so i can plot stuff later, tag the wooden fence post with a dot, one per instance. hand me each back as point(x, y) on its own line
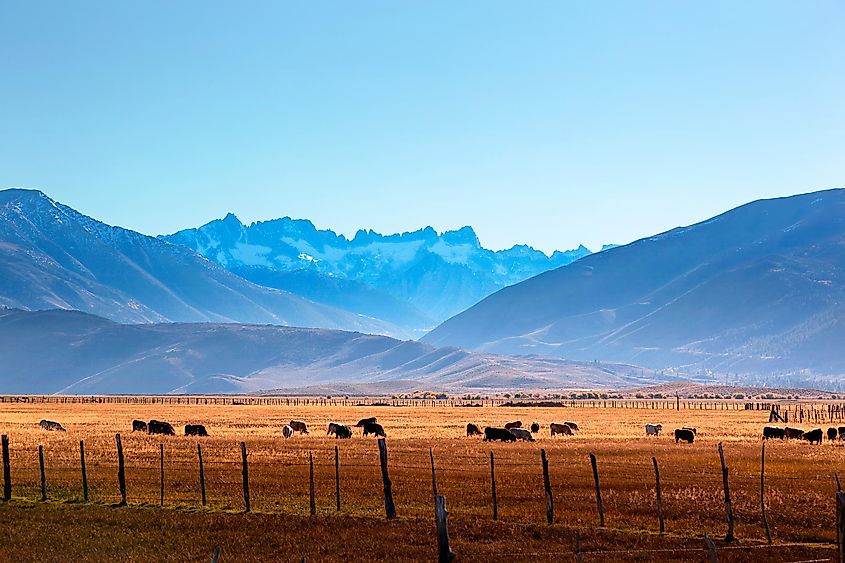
point(838, 486)
point(84, 471)
point(121, 471)
point(245, 474)
point(598, 490)
point(445, 554)
point(337, 478)
point(389, 507)
point(312, 502)
point(202, 473)
point(215, 555)
point(659, 494)
point(729, 516)
point(493, 487)
point(7, 470)
point(43, 473)
point(161, 458)
point(711, 547)
point(550, 506)
point(578, 556)
point(840, 525)
point(433, 473)
point(763, 493)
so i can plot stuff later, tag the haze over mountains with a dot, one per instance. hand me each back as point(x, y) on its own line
point(415, 279)
point(758, 291)
point(755, 295)
point(72, 352)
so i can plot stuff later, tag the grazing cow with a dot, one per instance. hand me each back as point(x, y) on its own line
point(51, 426)
point(374, 428)
point(158, 427)
point(841, 430)
point(522, 434)
point(139, 426)
point(287, 431)
point(793, 433)
point(573, 426)
point(298, 426)
point(535, 427)
point(342, 431)
point(503, 434)
point(773, 432)
point(473, 430)
point(557, 428)
point(832, 434)
point(332, 429)
point(653, 429)
point(515, 424)
point(685, 434)
point(363, 421)
point(195, 430)
point(814, 436)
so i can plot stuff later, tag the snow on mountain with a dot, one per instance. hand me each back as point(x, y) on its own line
point(434, 275)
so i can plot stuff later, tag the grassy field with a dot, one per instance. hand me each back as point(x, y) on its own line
point(799, 486)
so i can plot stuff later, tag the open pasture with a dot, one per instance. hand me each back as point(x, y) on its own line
point(799, 487)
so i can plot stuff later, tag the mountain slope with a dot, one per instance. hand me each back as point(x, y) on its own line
point(435, 275)
point(71, 352)
point(54, 257)
point(757, 290)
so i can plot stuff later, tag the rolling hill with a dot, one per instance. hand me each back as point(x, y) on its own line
point(757, 292)
point(72, 352)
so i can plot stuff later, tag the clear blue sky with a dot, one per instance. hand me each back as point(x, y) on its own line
point(548, 123)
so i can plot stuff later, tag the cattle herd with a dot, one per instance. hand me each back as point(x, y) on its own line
point(813, 436)
point(513, 431)
point(510, 432)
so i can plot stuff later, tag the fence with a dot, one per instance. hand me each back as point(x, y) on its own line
point(790, 410)
point(176, 474)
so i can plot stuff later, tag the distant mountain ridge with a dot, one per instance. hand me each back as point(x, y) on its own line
point(757, 292)
point(52, 256)
point(71, 352)
point(420, 277)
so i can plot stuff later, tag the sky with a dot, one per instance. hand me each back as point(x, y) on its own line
point(547, 123)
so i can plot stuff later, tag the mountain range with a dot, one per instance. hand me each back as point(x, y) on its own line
point(71, 352)
point(414, 279)
point(52, 256)
point(758, 292)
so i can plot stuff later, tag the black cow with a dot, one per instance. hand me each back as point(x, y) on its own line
point(773, 432)
point(572, 425)
point(793, 433)
point(139, 426)
point(473, 430)
point(685, 434)
point(52, 426)
point(158, 427)
point(515, 424)
point(832, 434)
point(363, 421)
point(374, 428)
point(342, 431)
point(535, 428)
point(814, 436)
point(502, 434)
point(195, 430)
point(841, 430)
point(299, 426)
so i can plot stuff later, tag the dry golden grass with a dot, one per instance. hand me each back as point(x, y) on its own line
point(799, 490)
